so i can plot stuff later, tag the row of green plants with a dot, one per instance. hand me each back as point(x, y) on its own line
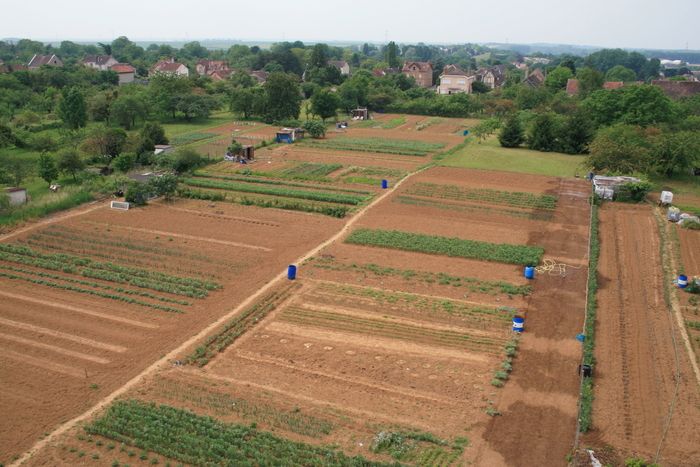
point(328, 197)
point(327, 210)
point(472, 284)
point(448, 246)
point(72, 263)
point(224, 403)
point(418, 448)
point(409, 302)
point(199, 440)
point(237, 326)
point(428, 122)
point(509, 198)
point(266, 178)
point(389, 329)
point(501, 375)
point(96, 285)
point(586, 404)
point(121, 278)
point(95, 293)
point(379, 145)
point(188, 138)
point(532, 215)
point(310, 170)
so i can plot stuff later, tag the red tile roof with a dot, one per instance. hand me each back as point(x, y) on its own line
point(422, 66)
point(613, 84)
point(123, 68)
point(572, 87)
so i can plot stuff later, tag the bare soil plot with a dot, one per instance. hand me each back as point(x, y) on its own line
point(74, 331)
point(636, 359)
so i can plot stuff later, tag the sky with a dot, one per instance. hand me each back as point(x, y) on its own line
point(668, 24)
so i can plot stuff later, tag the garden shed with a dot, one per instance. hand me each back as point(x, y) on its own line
point(17, 195)
point(361, 113)
point(289, 135)
point(606, 187)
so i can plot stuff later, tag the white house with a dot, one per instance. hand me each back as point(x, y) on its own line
point(341, 65)
point(169, 67)
point(454, 80)
point(99, 62)
point(125, 71)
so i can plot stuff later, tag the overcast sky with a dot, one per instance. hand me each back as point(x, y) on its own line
point(609, 23)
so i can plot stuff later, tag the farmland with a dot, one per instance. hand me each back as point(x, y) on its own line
point(394, 343)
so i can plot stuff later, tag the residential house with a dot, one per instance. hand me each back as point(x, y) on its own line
point(259, 75)
point(422, 72)
point(613, 85)
point(169, 67)
point(341, 65)
point(535, 78)
point(4, 68)
point(126, 72)
point(38, 61)
point(454, 80)
point(678, 89)
point(573, 87)
point(221, 75)
point(208, 67)
point(381, 72)
point(99, 62)
point(494, 77)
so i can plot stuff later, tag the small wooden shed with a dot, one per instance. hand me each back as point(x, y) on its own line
point(361, 113)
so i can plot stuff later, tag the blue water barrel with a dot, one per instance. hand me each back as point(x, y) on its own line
point(291, 272)
point(518, 323)
point(465, 132)
point(529, 272)
point(580, 337)
point(385, 184)
point(682, 281)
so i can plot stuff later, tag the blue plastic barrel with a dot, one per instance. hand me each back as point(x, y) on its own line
point(291, 272)
point(682, 281)
point(465, 133)
point(529, 272)
point(580, 337)
point(518, 323)
point(385, 184)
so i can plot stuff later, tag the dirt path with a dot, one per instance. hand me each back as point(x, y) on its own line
point(163, 361)
point(636, 353)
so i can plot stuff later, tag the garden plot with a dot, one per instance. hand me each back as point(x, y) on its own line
point(88, 302)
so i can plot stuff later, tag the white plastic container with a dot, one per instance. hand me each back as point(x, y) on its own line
point(666, 197)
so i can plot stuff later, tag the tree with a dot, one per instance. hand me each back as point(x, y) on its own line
point(104, 141)
point(485, 129)
point(557, 78)
point(47, 168)
point(319, 56)
point(324, 104)
point(164, 186)
point(195, 106)
point(13, 170)
point(283, 97)
point(315, 128)
point(186, 159)
point(676, 152)
point(69, 162)
point(126, 109)
point(479, 87)
point(576, 134)
point(391, 54)
point(99, 106)
point(137, 193)
point(72, 109)
point(124, 162)
point(620, 149)
point(242, 79)
point(543, 134)
point(589, 80)
point(235, 147)
point(248, 101)
point(511, 135)
point(620, 73)
point(154, 132)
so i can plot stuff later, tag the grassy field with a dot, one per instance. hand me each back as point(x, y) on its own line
point(489, 155)
point(180, 127)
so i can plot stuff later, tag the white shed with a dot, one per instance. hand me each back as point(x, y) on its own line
point(17, 196)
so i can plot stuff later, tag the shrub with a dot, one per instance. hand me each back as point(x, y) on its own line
point(186, 159)
point(124, 162)
point(315, 128)
point(138, 193)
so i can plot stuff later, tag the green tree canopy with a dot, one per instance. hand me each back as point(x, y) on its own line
point(622, 149)
point(325, 103)
point(557, 78)
point(47, 168)
point(283, 97)
point(511, 135)
point(620, 73)
point(72, 108)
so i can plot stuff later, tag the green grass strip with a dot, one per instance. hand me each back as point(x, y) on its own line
point(499, 252)
point(379, 145)
point(266, 180)
point(200, 440)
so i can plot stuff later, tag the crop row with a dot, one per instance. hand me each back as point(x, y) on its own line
point(96, 293)
point(190, 138)
point(441, 278)
point(408, 301)
point(275, 191)
point(448, 246)
point(310, 169)
point(379, 145)
point(236, 327)
point(510, 198)
point(327, 210)
point(389, 329)
point(200, 440)
point(263, 178)
point(422, 125)
point(95, 285)
point(122, 278)
point(223, 404)
point(70, 263)
point(532, 215)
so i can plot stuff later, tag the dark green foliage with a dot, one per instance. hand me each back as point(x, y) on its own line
point(576, 134)
point(543, 134)
point(511, 135)
point(72, 108)
point(185, 160)
point(205, 441)
point(47, 168)
point(505, 253)
point(315, 128)
point(283, 97)
point(163, 185)
point(124, 162)
point(70, 162)
point(324, 104)
point(633, 192)
point(138, 193)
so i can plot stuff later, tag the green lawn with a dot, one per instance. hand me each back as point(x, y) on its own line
point(489, 155)
point(216, 119)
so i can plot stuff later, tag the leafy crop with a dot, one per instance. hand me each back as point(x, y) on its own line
point(380, 145)
point(500, 252)
point(264, 178)
point(510, 198)
point(274, 191)
point(199, 440)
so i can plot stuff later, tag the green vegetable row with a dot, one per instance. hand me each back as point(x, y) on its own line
point(510, 198)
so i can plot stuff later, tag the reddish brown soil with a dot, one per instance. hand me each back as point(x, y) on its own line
point(635, 371)
point(690, 250)
point(47, 349)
